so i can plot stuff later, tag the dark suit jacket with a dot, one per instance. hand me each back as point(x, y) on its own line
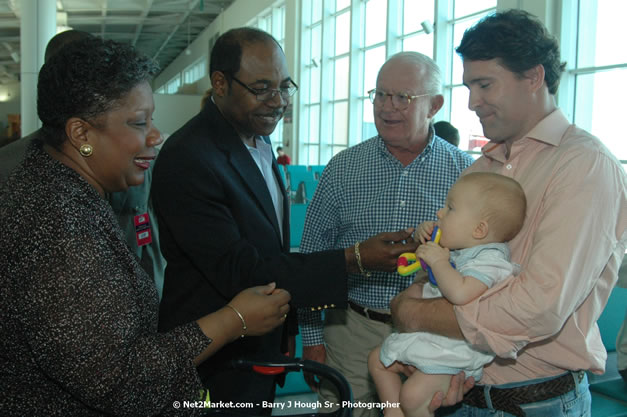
point(220, 235)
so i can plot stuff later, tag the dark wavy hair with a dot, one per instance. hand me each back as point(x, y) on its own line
point(85, 79)
point(519, 40)
point(226, 54)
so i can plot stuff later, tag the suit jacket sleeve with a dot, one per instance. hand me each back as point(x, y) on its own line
point(214, 230)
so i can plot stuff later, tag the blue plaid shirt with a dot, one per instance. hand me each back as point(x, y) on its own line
point(365, 190)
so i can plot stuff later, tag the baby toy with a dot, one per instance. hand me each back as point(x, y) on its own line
point(407, 264)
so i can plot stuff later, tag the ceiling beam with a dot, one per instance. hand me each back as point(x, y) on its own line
point(192, 6)
point(142, 17)
point(103, 12)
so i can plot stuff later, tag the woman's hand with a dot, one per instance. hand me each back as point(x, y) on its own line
point(263, 308)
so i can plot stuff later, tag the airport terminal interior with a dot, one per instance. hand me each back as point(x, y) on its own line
point(334, 49)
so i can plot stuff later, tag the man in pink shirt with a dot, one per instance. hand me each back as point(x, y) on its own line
point(541, 324)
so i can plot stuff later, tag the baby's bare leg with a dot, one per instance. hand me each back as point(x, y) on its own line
point(387, 381)
point(418, 391)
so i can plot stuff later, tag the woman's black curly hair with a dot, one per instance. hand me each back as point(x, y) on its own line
point(85, 79)
point(519, 40)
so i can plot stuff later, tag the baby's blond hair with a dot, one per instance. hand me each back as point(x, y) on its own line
point(502, 202)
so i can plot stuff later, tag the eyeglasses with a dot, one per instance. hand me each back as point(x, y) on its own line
point(399, 101)
point(267, 94)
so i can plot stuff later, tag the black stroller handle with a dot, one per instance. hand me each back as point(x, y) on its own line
point(284, 365)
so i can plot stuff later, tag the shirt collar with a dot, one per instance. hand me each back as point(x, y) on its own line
point(549, 130)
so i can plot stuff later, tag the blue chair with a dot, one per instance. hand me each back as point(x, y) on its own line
point(609, 391)
point(283, 176)
point(297, 178)
point(296, 168)
point(310, 189)
point(317, 170)
point(297, 192)
point(297, 223)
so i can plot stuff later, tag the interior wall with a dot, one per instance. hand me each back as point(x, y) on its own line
point(173, 110)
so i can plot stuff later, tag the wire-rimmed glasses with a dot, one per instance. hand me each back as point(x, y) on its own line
point(400, 101)
point(267, 94)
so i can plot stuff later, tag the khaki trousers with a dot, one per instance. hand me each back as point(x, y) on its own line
point(349, 338)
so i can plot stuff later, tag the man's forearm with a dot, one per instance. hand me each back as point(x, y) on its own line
point(433, 315)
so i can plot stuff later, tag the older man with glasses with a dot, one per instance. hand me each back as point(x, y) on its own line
point(223, 213)
point(395, 180)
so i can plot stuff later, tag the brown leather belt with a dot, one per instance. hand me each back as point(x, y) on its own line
point(370, 314)
point(509, 399)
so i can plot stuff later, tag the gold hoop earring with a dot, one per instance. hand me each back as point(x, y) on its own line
point(86, 150)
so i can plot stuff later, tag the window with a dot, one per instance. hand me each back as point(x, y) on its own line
point(343, 45)
point(465, 15)
point(172, 86)
point(195, 71)
point(593, 86)
point(273, 22)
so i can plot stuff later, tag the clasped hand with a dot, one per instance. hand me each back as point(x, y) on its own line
point(263, 307)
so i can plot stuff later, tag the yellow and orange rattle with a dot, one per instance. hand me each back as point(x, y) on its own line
point(406, 264)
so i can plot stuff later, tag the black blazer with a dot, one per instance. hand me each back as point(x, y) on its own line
point(219, 235)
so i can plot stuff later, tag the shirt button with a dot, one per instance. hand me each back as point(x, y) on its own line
point(509, 166)
point(403, 203)
point(405, 173)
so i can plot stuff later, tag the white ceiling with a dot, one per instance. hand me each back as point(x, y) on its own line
point(161, 29)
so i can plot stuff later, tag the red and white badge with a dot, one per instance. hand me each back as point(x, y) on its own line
point(143, 233)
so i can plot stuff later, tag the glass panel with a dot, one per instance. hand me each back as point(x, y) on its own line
point(312, 154)
point(316, 10)
point(276, 137)
point(601, 25)
point(458, 34)
point(341, 79)
point(338, 149)
point(316, 43)
point(340, 123)
point(314, 92)
point(341, 4)
point(421, 42)
point(277, 25)
point(342, 33)
point(414, 13)
point(466, 121)
point(599, 99)
point(376, 18)
point(314, 124)
point(369, 129)
point(374, 59)
point(465, 7)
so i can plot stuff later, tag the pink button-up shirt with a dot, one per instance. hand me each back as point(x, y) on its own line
point(543, 322)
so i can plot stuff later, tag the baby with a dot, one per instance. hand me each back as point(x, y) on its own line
point(483, 211)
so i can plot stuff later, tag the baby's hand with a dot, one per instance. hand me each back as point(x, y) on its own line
point(424, 231)
point(432, 253)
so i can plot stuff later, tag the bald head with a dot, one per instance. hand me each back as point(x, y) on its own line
point(425, 67)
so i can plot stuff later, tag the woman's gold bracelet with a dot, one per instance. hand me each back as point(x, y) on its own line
point(244, 328)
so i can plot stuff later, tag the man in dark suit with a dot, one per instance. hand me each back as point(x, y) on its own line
point(223, 213)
